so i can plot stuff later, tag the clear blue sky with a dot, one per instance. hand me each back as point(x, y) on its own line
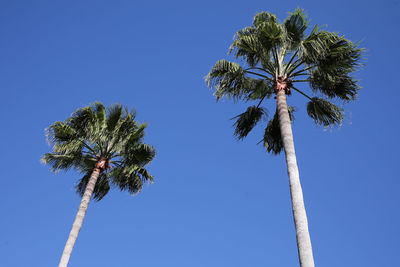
point(215, 201)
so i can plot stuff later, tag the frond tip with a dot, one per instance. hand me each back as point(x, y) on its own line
point(324, 112)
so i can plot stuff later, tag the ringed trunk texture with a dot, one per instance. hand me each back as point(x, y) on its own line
point(76, 226)
point(299, 212)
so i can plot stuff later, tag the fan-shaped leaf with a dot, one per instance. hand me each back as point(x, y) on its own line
point(324, 112)
point(272, 136)
point(101, 187)
point(295, 26)
point(263, 17)
point(247, 120)
point(334, 84)
point(228, 79)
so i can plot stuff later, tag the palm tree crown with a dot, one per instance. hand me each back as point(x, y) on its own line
point(110, 140)
point(277, 56)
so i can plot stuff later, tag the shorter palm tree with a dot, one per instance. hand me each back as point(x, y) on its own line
point(107, 148)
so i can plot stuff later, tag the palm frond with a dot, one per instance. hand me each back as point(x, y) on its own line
point(114, 115)
point(324, 112)
point(60, 162)
point(100, 112)
point(314, 47)
point(272, 136)
point(271, 35)
point(60, 132)
point(123, 130)
point(130, 178)
point(296, 25)
point(259, 88)
point(334, 84)
point(140, 154)
point(228, 79)
point(84, 122)
point(101, 187)
point(247, 120)
point(246, 46)
point(262, 17)
point(342, 54)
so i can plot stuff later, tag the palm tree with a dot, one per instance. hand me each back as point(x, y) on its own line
point(276, 57)
point(107, 148)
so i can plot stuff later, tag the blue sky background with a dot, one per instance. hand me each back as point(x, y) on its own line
point(215, 201)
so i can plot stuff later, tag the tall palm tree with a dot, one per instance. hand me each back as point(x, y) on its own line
point(276, 57)
point(107, 148)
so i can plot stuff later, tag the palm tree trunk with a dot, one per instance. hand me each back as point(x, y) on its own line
point(299, 212)
point(76, 226)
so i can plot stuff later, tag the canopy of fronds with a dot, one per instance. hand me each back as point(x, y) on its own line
point(93, 133)
point(270, 50)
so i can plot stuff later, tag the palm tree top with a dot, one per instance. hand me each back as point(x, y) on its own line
point(107, 139)
point(274, 56)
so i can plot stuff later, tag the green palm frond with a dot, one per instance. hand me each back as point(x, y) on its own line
point(130, 178)
point(60, 162)
point(247, 120)
point(324, 112)
point(140, 154)
point(84, 121)
point(60, 132)
point(334, 84)
point(100, 111)
point(262, 17)
point(259, 88)
point(272, 136)
point(100, 189)
point(115, 112)
point(271, 35)
point(314, 47)
point(228, 79)
point(330, 52)
point(246, 45)
point(341, 54)
point(131, 139)
point(296, 25)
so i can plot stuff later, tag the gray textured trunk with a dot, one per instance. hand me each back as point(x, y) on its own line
point(299, 212)
point(76, 226)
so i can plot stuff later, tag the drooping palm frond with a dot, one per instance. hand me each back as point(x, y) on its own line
point(100, 189)
point(324, 112)
point(272, 139)
point(94, 133)
point(341, 54)
point(140, 155)
point(334, 84)
point(247, 120)
point(130, 178)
